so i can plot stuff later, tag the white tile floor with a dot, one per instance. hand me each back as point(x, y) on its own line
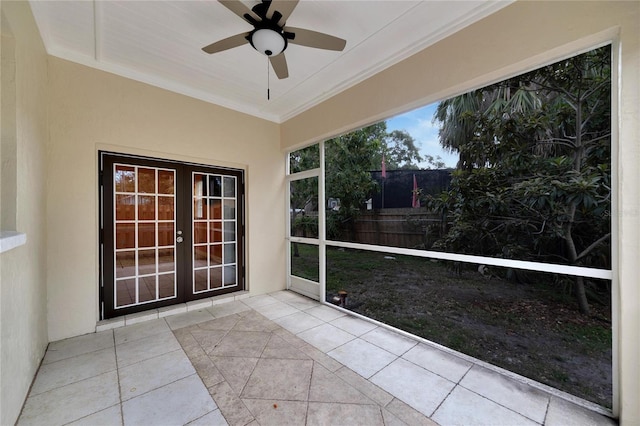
point(334, 369)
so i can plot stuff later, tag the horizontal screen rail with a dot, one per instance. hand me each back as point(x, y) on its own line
point(577, 271)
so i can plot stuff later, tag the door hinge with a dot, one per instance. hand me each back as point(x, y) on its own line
point(101, 178)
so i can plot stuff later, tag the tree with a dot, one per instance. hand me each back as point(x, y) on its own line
point(348, 160)
point(400, 151)
point(533, 180)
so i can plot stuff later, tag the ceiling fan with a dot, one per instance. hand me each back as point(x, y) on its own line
point(270, 36)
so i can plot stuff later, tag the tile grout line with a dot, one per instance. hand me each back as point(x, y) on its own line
point(306, 413)
point(456, 384)
point(115, 354)
point(249, 376)
point(546, 411)
point(42, 363)
point(117, 370)
point(437, 374)
point(196, 371)
point(382, 415)
point(374, 344)
point(499, 404)
point(459, 383)
point(358, 338)
point(203, 385)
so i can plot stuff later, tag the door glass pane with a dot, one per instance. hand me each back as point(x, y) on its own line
point(229, 186)
point(220, 207)
point(229, 253)
point(215, 208)
point(146, 235)
point(126, 264)
point(146, 180)
point(165, 208)
point(229, 209)
point(166, 234)
point(166, 183)
point(199, 208)
point(147, 288)
point(201, 280)
point(215, 254)
point(199, 185)
point(125, 207)
point(125, 179)
point(230, 231)
point(125, 292)
point(146, 262)
point(216, 232)
point(199, 232)
point(166, 260)
point(166, 286)
point(146, 207)
point(215, 185)
point(304, 207)
point(200, 255)
point(138, 210)
point(215, 277)
point(125, 235)
point(229, 276)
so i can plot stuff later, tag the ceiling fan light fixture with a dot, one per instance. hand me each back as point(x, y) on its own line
point(268, 42)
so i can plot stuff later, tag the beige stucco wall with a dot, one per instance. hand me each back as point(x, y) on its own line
point(91, 110)
point(520, 37)
point(23, 315)
point(88, 110)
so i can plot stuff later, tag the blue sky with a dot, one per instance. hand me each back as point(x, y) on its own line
point(418, 123)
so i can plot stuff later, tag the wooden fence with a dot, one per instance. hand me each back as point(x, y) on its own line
point(406, 227)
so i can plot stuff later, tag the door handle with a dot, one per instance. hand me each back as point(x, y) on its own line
point(179, 238)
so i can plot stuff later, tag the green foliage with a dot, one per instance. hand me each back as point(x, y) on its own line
point(534, 177)
point(304, 159)
point(305, 264)
point(347, 174)
point(305, 226)
point(349, 160)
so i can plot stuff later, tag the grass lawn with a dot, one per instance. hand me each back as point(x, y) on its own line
point(532, 329)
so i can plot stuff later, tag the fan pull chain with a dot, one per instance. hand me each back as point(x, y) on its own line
point(268, 94)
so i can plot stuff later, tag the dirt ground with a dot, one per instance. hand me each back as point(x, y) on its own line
point(533, 329)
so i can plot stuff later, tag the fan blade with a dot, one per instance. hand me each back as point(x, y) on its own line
point(279, 64)
point(315, 39)
point(285, 7)
point(237, 7)
point(227, 43)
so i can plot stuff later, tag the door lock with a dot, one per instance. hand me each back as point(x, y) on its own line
point(179, 238)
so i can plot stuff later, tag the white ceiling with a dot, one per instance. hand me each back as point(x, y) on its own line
point(159, 43)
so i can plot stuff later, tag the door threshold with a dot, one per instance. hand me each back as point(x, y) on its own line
point(166, 311)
